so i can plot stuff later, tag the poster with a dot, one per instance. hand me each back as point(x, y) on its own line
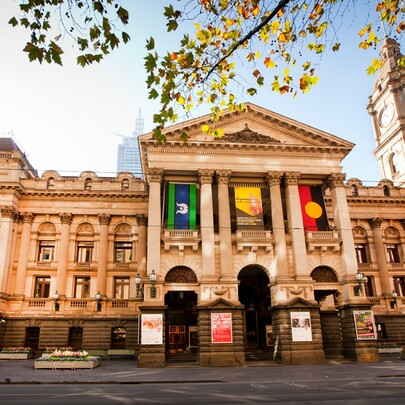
point(221, 328)
point(269, 335)
point(301, 326)
point(151, 329)
point(365, 325)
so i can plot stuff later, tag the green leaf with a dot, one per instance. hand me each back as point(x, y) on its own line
point(172, 25)
point(13, 21)
point(150, 44)
point(123, 15)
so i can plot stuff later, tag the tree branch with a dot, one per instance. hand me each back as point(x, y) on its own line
point(249, 35)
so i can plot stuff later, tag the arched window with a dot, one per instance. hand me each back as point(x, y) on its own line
point(88, 183)
point(125, 184)
point(355, 190)
point(50, 182)
point(386, 191)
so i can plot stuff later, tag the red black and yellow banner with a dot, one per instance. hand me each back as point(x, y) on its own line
point(313, 209)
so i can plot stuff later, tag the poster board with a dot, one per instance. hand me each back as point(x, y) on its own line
point(221, 328)
point(269, 335)
point(301, 326)
point(151, 329)
point(365, 325)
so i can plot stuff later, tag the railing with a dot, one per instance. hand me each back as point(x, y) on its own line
point(181, 238)
point(37, 302)
point(78, 303)
point(119, 304)
point(254, 239)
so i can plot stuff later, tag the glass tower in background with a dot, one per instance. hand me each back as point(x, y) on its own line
point(128, 157)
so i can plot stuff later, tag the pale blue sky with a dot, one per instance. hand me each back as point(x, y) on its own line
point(64, 117)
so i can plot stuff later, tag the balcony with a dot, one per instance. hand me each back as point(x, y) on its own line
point(253, 240)
point(180, 239)
point(323, 240)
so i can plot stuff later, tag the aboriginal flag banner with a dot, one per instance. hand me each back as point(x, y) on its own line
point(181, 206)
point(313, 209)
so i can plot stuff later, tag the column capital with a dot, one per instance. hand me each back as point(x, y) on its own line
point(375, 222)
point(142, 219)
point(155, 175)
point(27, 217)
point(274, 178)
point(104, 219)
point(65, 218)
point(291, 178)
point(223, 176)
point(336, 180)
point(205, 176)
point(9, 212)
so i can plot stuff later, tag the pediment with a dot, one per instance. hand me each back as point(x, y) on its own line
point(253, 126)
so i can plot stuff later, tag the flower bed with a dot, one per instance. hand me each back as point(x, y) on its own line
point(67, 359)
point(389, 348)
point(16, 353)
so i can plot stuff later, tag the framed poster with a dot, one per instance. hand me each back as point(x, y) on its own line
point(269, 335)
point(301, 326)
point(221, 328)
point(365, 325)
point(151, 329)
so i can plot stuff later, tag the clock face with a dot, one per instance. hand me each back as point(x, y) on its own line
point(387, 115)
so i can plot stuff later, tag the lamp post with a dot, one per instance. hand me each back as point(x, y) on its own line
point(140, 288)
point(394, 302)
point(55, 300)
point(359, 278)
point(98, 298)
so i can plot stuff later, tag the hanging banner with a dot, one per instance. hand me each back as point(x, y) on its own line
point(301, 326)
point(182, 206)
point(151, 329)
point(221, 328)
point(313, 209)
point(249, 207)
point(365, 325)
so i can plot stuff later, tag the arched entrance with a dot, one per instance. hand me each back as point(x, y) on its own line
point(181, 316)
point(326, 292)
point(254, 294)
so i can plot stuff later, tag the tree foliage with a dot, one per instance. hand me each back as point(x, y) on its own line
point(237, 47)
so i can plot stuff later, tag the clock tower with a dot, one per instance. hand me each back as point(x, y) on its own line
point(387, 109)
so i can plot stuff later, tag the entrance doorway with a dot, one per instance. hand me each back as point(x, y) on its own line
point(254, 294)
point(181, 322)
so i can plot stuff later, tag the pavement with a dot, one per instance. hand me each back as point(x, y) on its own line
point(126, 371)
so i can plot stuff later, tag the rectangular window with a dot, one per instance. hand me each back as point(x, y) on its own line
point(392, 254)
point(42, 285)
point(123, 252)
point(84, 252)
point(369, 287)
point(361, 252)
point(46, 250)
point(82, 287)
point(121, 288)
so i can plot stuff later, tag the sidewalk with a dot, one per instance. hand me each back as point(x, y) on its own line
point(127, 372)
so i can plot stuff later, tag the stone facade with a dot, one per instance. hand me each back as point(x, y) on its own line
point(101, 263)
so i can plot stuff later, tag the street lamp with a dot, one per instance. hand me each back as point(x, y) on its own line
point(152, 279)
point(98, 298)
point(140, 288)
point(359, 278)
point(394, 302)
point(55, 300)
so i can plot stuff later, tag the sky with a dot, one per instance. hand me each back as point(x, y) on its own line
point(66, 118)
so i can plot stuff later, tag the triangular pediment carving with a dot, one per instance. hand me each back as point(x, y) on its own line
point(220, 303)
point(248, 136)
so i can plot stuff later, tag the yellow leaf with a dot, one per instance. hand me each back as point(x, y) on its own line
point(205, 128)
point(269, 63)
point(180, 100)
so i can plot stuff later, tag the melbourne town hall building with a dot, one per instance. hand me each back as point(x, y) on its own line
point(254, 245)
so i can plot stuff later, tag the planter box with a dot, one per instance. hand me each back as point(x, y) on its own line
point(71, 365)
point(390, 350)
point(15, 356)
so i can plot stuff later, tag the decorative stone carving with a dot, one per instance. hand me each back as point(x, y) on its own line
point(181, 275)
point(205, 176)
point(27, 217)
point(291, 178)
point(391, 232)
point(9, 212)
point(274, 178)
point(296, 290)
point(85, 228)
point(142, 219)
point(123, 229)
point(155, 175)
point(222, 176)
point(375, 222)
point(104, 219)
point(220, 291)
point(248, 136)
point(324, 274)
point(336, 180)
point(47, 227)
point(66, 218)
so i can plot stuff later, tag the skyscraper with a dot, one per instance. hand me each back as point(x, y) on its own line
point(128, 158)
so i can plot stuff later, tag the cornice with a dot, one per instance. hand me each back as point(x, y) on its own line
point(373, 200)
point(67, 194)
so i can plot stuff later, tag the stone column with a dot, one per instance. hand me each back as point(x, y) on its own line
point(102, 259)
point(66, 220)
point(155, 177)
point(207, 223)
point(20, 282)
point(342, 221)
point(278, 229)
point(8, 218)
point(295, 224)
point(379, 247)
point(141, 249)
point(224, 219)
